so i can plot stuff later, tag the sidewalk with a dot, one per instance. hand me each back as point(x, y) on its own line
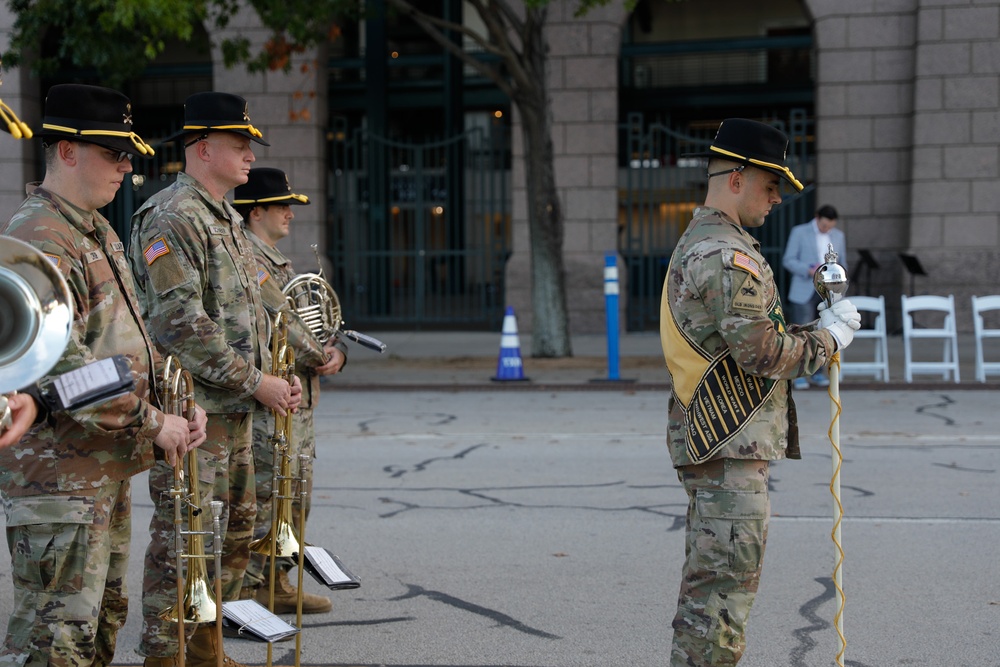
point(416, 359)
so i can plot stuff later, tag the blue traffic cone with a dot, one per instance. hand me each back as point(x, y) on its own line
point(509, 366)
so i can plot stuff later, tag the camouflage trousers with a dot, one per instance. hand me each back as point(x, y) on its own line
point(225, 472)
point(303, 443)
point(69, 559)
point(727, 519)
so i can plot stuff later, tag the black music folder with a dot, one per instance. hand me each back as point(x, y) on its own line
point(328, 570)
point(253, 620)
point(92, 383)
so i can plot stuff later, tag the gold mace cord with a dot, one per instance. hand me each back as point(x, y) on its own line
point(838, 507)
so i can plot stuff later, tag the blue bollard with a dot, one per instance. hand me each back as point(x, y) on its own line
point(611, 312)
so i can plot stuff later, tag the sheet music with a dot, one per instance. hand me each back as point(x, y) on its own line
point(81, 382)
point(251, 615)
point(326, 564)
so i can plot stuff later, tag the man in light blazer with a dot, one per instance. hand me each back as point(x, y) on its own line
point(804, 253)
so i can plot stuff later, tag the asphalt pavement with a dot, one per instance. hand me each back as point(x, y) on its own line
point(498, 528)
point(538, 523)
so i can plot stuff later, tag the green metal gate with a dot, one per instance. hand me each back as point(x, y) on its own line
point(147, 178)
point(660, 188)
point(419, 234)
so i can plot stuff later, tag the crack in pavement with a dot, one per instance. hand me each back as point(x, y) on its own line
point(500, 618)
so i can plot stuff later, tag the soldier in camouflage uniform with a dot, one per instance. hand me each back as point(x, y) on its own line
point(197, 279)
point(731, 359)
point(265, 202)
point(66, 485)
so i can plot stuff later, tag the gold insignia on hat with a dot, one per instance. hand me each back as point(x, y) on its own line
point(127, 116)
point(246, 111)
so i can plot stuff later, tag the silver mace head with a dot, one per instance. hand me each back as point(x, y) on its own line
point(830, 279)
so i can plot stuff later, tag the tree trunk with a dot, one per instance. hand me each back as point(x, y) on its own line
point(550, 330)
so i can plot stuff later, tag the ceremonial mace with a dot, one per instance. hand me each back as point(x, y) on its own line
point(830, 281)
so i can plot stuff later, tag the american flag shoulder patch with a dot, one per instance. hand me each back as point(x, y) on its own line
point(747, 263)
point(55, 259)
point(262, 275)
point(156, 249)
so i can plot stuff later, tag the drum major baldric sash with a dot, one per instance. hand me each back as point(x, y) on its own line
point(719, 398)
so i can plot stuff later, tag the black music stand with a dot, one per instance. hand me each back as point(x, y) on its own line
point(913, 267)
point(866, 264)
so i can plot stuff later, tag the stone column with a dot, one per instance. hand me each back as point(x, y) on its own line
point(864, 111)
point(583, 91)
point(955, 201)
point(290, 110)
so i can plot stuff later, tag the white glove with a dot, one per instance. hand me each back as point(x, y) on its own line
point(842, 332)
point(843, 310)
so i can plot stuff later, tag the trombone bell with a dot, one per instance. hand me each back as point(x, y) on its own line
point(199, 599)
point(286, 542)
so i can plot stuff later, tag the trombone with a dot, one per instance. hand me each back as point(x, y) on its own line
point(196, 601)
point(282, 540)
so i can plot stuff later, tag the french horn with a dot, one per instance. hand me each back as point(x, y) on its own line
point(315, 301)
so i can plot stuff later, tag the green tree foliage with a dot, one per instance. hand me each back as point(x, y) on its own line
point(117, 38)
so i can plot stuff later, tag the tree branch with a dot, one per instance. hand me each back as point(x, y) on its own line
point(435, 28)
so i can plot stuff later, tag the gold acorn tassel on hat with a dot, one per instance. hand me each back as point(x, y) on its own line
point(17, 127)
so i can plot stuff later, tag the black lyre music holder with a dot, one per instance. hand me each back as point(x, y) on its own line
point(866, 264)
point(913, 267)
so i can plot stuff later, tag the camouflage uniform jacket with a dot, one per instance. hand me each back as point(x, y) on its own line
point(721, 295)
point(111, 441)
point(197, 281)
point(274, 271)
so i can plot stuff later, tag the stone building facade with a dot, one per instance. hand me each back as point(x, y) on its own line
point(907, 107)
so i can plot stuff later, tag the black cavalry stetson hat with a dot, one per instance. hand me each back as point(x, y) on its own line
point(217, 112)
point(91, 114)
point(753, 143)
point(266, 185)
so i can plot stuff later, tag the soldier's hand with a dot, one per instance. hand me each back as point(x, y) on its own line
point(173, 438)
point(23, 411)
point(334, 361)
point(844, 310)
point(296, 400)
point(274, 393)
point(197, 428)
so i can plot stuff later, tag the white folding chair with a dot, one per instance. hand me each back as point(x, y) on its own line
point(879, 365)
point(941, 306)
point(980, 305)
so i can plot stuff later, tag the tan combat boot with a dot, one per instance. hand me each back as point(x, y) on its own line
point(286, 597)
point(203, 647)
point(160, 661)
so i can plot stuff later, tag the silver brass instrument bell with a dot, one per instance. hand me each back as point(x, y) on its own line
point(36, 314)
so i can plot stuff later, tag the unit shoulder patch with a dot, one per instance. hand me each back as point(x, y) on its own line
point(748, 297)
